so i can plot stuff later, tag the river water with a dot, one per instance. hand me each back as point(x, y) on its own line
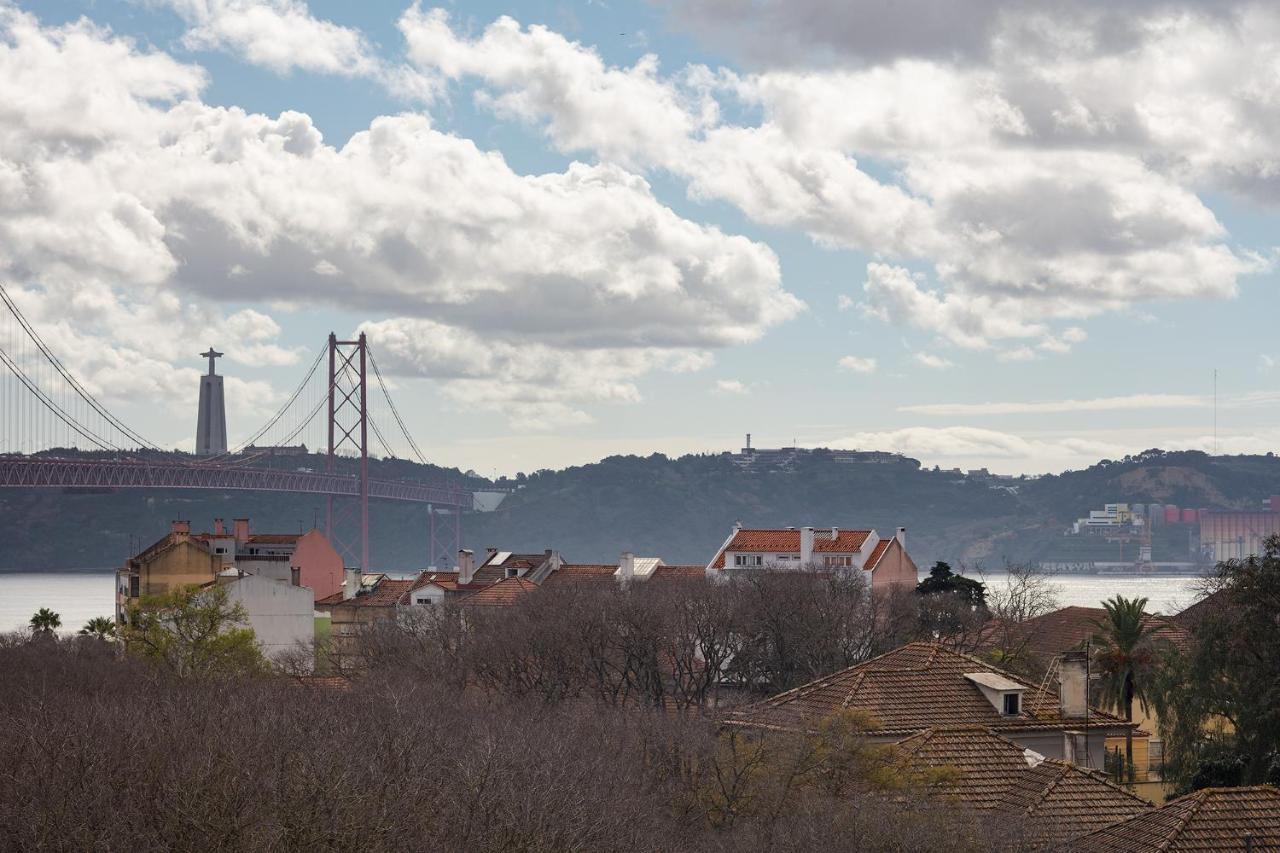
point(79, 596)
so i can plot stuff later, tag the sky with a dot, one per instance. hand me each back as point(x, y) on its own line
point(984, 234)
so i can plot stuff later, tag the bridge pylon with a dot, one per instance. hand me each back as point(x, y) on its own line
point(348, 409)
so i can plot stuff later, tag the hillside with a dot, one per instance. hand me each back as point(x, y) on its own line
point(680, 509)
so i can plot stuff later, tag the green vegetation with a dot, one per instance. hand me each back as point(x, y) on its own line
point(1125, 659)
point(681, 509)
point(1219, 703)
point(194, 631)
point(100, 628)
point(45, 621)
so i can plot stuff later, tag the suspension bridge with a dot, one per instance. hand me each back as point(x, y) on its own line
point(46, 412)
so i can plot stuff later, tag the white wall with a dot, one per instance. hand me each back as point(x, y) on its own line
point(280, 614)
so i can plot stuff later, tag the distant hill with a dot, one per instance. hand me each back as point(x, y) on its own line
point(680, 509)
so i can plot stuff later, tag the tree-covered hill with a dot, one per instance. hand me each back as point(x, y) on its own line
point(680, 509)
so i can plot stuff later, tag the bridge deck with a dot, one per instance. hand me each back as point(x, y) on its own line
point(63, 473)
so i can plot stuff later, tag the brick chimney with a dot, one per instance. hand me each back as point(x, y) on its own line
point(241, 529)
point(219, 529)
point(177, 526)
point(466, 566)
point(627, 568)
point(1073, 685)
point(806, 546)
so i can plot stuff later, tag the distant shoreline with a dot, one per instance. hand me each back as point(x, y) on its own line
point(79, 571)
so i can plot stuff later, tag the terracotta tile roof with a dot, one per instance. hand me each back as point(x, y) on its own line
point(490, 572)
point(1193, 613)
point(338, 683)
point(913, 688)
point(679, 573)
point(274, 538)
point(504, 593)
point(447, 580)
point(1058, 801)
point(388, 593)
point(1054, 801)
point(1209, 819)
point(985, 762)
point(877, 552)
point(788, 541)
point(580, 573)
point(1068, 628)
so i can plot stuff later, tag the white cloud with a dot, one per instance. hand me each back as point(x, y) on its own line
point(731, 386)
point(1049, 178)
point(1098, 404)
point(858, 364)
point(933, 362)
point(971, 443)
point(281, 35)
point(141, 193)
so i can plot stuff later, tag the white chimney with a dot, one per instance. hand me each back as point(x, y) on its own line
point(835, 533)
point(806, 546)
point(466, 566)
point(1073, 685)
point(901, 536)
point(626, 568)
point(350, 584)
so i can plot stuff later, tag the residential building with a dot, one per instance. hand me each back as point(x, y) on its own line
point(1045, 801)
point(362, 602)
point(1038, 644)
point(1244, 819)
point(922, 685)
point(183, 558)
point(504, 593)
point(883, 561)
point(267, 574)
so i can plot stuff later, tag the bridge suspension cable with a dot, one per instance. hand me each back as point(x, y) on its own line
point(70, 381)
point(404, 430)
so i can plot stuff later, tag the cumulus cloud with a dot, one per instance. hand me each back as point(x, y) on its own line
point(141, 192)
point(281, 35)
point(1051, 176)
point(858, 364)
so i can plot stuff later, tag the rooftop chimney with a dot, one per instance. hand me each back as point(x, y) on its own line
point(1073, 685)
point(490, 551)
point(806, 546)
point(835, 533)
point(219, 528)
point(626, 568)
point(901, 536)
point(241, 529)
point(180, 527)
point(737, 525)
point(350, 583)
point(466, 566)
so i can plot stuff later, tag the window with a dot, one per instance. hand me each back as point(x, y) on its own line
point(423, 601)
point(748, 560)
point(511, 573)
point(1012, 705)
point(837, 561)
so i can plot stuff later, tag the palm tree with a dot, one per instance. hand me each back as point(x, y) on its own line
point(99, 627)
point(45, 621)
point(1125, 658)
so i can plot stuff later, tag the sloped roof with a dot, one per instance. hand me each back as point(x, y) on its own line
point(1210, 819)
point(1067, 628)
point(494, 569)
point(388, 593)
point(877, 552)
point(1055, 800)
point(788, 542)
point(274, 538)
point(504, 593)
point(985, 762)
point(1059, 801)
point(915, 687)
point(447, 580)
point(679, 573)
point(1193, 613)
point(579, 573)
